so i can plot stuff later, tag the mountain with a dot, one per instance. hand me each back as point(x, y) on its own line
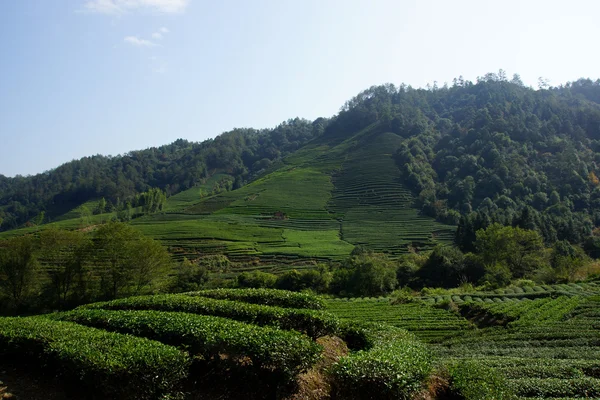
point(397, 168)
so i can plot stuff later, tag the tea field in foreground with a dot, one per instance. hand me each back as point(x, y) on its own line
point(526, 343)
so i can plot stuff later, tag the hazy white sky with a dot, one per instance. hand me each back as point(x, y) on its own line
point(82, 77)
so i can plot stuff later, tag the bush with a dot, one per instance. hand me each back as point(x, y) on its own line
point(281, 354)
point(268, 297)
point(314, 323)
point(395, 367)
point(472, 381)
point(256, 279)
point(111, 364)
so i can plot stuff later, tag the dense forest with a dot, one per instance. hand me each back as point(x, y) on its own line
point(494, 151)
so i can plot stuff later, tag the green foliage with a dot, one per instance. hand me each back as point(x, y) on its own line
point(267, 297)
point(394, 368)
point(279, 354)
point(189, 276)
point(131, 263)
point(519, 249)
point(314, 323)
point(445, 267)
point(18, 264)
point(496, 275)
point(365, 275)
point(528, 312)
point(427, 323)
point(256, 279)
point(317, 280)
point(118, 366)
point(178, 166)
point(472, 381)
point(152, 201)
point(66, 257)
point(550, 350)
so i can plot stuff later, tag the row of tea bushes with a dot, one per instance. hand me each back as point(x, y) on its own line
point(267, 297)
point(220, 342)
point(395, 367)
point(110, 364)
point(471, 380)
point(312, 322)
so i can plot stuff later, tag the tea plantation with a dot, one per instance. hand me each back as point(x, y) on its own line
point(265, 343)
point(221, 343)
point(315, 205)
point(533, 342)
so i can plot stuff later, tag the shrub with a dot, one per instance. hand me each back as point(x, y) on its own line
point(111, 364)
point(472, 381)
point(268, 297)
point(314, 323)
point(394, 368)
point(283, 354)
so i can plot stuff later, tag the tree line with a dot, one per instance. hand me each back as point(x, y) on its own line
point(241, 153)
point(501, 255)
point(58, 269)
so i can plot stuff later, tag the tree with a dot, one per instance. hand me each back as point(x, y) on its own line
point(153, 200)
point(256, 279)
point(189, 276)
point(366, 274)
point(130, 263)
point(18, 264)
point(84, 215)
point(445, 267)
point(521, 250)
point(317, 280)
point(66, 254)
point(101, 206)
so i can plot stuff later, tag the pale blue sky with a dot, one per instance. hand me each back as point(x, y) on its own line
point(84, 77)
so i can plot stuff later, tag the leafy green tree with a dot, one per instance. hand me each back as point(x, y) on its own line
point(101, 206)
point(496, 275)
point(366, 274)
point(521, 250)
point(317, 280)
point(153, 200)
point(445, 267)
point(256, 279)
point(189, 276)
point(129, 262)
point(18, 265)
point(66, 255)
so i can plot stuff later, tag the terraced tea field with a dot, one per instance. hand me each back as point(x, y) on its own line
point(544, 340)
point(313, 206)
point(321, 202)
point(219, 343)
point(427, 323)
point(549, 349)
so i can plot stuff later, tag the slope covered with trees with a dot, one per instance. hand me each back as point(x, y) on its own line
point(241, 153)
point(397, 168)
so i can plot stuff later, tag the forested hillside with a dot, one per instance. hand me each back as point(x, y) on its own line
point(494, 151)
point(241, 153)
point(471, 153)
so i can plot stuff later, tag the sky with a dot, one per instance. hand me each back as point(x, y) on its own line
point(86, 77)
